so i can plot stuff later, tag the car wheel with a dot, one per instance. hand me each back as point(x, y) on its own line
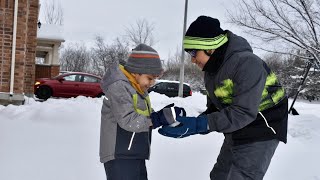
point(100, 95)
point(44, 92)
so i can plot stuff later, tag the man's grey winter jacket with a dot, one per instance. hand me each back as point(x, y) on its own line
point(251, 103)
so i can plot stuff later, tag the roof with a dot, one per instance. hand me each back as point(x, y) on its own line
point(50, 32)
point(163, 80)
point(66, 73)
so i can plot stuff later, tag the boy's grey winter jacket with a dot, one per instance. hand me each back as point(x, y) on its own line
point(239, 89)
point(125, 134)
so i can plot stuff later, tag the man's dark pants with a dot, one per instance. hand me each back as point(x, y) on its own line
point(243, 162)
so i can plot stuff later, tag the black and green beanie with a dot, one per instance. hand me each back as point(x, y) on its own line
point(204, 34)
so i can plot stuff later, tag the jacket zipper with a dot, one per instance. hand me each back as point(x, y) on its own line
point(265, 120)
point(131, 140)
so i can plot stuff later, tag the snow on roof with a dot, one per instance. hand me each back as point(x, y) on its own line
point(315, 69)
point(163, 80)
point(296, 77)
point(50, 32)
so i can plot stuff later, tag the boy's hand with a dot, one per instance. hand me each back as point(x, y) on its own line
point(188, 126)
point(167, 116)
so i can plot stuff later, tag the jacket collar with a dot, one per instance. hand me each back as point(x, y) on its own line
point(216, 59)
point(132, 80)
point(234, 45)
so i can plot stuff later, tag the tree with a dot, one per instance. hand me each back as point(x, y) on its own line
point(103, 55)
point(140, 32)
point(292, 25)
point(75, 57)
point(290, 71)
point(53, 12)
point(193, 74)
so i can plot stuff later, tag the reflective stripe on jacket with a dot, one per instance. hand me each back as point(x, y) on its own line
point(272, 93)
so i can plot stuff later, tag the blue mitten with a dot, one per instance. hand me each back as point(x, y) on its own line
point(167, 115)
point(188, 126)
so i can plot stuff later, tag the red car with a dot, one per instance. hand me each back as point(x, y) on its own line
point(68, 85)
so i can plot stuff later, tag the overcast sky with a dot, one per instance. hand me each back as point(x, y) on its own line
point(84, 19)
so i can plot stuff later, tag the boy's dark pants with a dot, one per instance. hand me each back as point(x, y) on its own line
point(243, 162)
point(126, 169)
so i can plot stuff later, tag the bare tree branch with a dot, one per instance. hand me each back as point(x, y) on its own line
point(53, 12)
point(103, 55)
point(75, 57)
point(285, 53)
point(141, 32)
point(290, 23)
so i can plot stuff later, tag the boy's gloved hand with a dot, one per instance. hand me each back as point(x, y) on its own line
point(188, 126)
point(167, 116)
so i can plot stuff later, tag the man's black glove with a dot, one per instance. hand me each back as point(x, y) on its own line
point(167, 116)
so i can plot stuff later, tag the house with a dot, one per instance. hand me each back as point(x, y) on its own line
point(49, 39)
point(19, 47)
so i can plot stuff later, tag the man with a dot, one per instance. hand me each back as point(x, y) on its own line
point(245, 101)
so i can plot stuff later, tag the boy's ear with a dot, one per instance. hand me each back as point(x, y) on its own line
point(211, 51)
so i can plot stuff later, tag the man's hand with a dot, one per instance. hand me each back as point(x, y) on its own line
point(188, 126)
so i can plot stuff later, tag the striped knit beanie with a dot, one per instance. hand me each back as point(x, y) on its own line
point(204, 34)
point(144, 60)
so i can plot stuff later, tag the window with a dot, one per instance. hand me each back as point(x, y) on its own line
point(186, 87)
point(161, 86)
point(90, 79)
point(173, 86)
point(72, 77)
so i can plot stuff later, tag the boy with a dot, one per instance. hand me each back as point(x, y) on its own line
point(126, 125)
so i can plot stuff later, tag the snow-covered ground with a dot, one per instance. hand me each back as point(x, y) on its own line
point(59, 140)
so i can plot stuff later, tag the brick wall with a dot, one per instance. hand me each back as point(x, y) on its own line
point(55, 69)
point(47, 71)
point(25, 45)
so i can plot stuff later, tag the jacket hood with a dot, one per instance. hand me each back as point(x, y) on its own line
point(236, 44)
point(113, 74)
